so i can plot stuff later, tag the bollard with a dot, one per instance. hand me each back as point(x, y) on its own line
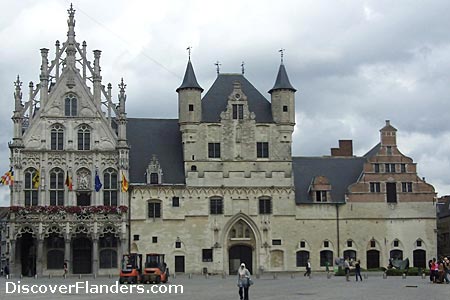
point(384, 275)
point(275, 276)
point(224, 275)
point(95, 275)
point(79, 276)
point(258, 276)
point(366, 276)
point(328, 275)
point(424, 276)
point(292, 275)
point(65, 276)
point(35, 276)
point(404, 276)
point(50, 276)
point(174, 275)
point(21, 276)
point(7, 276)
point(206, 275)
point(190, 275)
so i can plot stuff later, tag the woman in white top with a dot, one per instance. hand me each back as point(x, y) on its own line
point(243, 282)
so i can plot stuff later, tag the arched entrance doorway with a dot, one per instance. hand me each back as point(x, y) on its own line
point(27, 254)
point(240, 254)
point(82, 255)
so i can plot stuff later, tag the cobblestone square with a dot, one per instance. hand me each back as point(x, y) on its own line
point(266, 287)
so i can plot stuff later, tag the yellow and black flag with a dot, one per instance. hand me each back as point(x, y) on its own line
point(36, 179)
point(8, 178)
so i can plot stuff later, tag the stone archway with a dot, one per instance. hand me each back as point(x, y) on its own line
point(241, 239)
point(82, 255)
point(27, 248)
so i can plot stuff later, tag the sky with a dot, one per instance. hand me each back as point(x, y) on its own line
point(355, 64)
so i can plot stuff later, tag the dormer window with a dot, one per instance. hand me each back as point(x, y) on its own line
point(70, 105)
point(320, 189)
point(154, 172)
point(321, 196)
point(238, 111)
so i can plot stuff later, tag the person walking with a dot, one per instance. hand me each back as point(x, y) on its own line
point(243, 282)
point(347, 269)
point(358, 270)
point(308, 269)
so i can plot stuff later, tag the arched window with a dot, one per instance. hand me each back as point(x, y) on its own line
point(84, 138)
point(70, 105)
point(302, 258)
point(55, 252)
point(57, 187)
point(108, 258)
point(110, 187)
point(326, 256)
point(32, 181)
point(57, 137)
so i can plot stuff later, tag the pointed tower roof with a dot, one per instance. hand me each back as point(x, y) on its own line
point(189, 81)
point(282, 81)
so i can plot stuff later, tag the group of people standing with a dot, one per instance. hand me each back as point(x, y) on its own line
point(439, 270)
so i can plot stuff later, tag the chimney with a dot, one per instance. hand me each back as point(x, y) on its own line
point(345, 148)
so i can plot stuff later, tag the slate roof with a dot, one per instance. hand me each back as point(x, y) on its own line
point(340, 171)
point(189, 80)
point(161, 137)
point(282, 81)
point(4, 213)
point(372, 152)
point(443, 208)
point(215, 100)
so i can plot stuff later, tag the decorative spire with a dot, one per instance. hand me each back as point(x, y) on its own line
point(218, 64)
point(189, 81)
point(122, 86)
point(18, 93)
point(189, 52)
point(281, 54)
point(242, 68)
point(71, 49)
point(282, 81)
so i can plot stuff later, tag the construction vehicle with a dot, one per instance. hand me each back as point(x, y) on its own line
point(155, 269)
point(131, 268)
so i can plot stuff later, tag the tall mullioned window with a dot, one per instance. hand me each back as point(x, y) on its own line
point(57, 137)
point(265, 205)
point(262, 149)
point(238, 111)
point(154, 210)
point(30, 187)
point(70, 105)
point(57, 187)
point(84, 138)
point(110, 187)
point(216, 205)
point(214, 150)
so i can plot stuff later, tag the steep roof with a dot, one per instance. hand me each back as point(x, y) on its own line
point(443, 207)
point(189, 80)
point(282, 81)
point(372, 152)
point(340, 171)
point(161, 137)
point(215, 100)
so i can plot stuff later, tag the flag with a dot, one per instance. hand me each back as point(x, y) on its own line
point(124, 183)
point(8, 178)
point(98, 183)
point(36, 179)
point(69, 181)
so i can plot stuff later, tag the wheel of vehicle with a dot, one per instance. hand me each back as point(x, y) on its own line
point(121, 281)
point(158, 279)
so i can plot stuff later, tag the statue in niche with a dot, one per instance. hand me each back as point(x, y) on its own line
point(84, 177)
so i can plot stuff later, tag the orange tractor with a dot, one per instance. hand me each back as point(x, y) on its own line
point(155, 269)
point(131, 268)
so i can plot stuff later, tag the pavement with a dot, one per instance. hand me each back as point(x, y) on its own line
point(284, 286)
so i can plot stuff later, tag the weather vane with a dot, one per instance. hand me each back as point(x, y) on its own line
point(189, 51)
point(218, 64)
point(242, 68)
point(281, 53)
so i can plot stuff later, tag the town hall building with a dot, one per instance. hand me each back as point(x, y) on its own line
point(215, 187)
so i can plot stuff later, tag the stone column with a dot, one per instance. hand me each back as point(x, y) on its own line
point(12, 258)
point(95, 260)
point(67, 253)
point(40, 256)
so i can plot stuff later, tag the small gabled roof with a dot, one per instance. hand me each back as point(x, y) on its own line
point(340, 171)
point(189, 80)
point(282, 81)
point(216, 99)
point(388, 127)
point(160, 137)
